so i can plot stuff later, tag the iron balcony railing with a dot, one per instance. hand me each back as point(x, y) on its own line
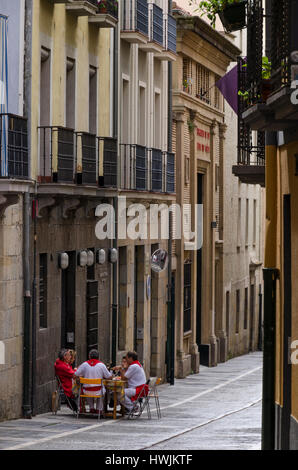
point(135, 16)
point(146, 169)
point(107, 161)
point(86, 149)
point(14, 162)
point(281, 21)
point(109, 6)
point(251, 146)
point(156, 24)
point(57, 155)
point(252, 78)
point(171, 34)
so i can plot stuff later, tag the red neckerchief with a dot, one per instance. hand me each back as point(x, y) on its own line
point(93, 362)
point(136, 362)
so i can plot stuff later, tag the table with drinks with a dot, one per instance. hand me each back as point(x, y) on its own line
point(115, 387)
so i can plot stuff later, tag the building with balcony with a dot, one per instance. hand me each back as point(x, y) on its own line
point(59, 161)
point(223, 315)
point(14, 184)
point(272, 108)
point(147, 46)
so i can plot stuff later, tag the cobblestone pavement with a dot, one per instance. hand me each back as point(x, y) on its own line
point(219, 408)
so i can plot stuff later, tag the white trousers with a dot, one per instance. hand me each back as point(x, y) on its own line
point(126, 401)
point(96, 403)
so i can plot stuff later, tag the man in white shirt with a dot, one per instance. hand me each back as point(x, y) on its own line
point(94, 369)
point(136, 380)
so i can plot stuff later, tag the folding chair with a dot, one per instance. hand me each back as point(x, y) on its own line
point(153, 393)
point(140, 403)
point(83, 382)
point(61, 397)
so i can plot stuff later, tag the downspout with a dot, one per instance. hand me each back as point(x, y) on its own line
point(171, 306)
point(115, 202)
point(27, 410)
point(270, 276)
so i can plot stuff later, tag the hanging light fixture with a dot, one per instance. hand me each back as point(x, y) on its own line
point(82, 258)
point(63, 260)
point(101, 256)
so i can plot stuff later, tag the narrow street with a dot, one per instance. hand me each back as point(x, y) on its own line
point(219, 408)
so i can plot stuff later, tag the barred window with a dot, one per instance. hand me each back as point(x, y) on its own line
point(203, 84)
point(187, 75)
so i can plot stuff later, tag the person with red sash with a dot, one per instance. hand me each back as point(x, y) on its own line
point(136, 380)
point(65, 372)
point(94, 369)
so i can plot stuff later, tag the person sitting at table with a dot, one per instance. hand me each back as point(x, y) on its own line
point(94, 369)
point(65, 372)
point(124, 365)
point(136, 380)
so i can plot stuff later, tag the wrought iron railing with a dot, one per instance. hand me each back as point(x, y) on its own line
point(280, 50)
point(171, 34)
point(57, 161)
point(156, 167)
point(14, 162)
point(146, 169)
point(253, 72)
point(135, 16)
point(86, 148)
point(134, 167)
point(107, 161)
point(170, 172)
point(156, 25)
point(110, 7)
point(251, 146)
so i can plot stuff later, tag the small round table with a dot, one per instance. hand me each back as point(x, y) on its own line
point(116, 387)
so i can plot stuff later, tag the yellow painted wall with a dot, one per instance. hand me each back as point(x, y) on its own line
point(281, 180)
point(64, 31)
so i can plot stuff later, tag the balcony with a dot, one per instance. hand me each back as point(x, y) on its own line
point(13, 147)
point(134, 24)
point(107, 14)
point(251, 157)
point(251, 146)
point(155, 30)
point(57, 155)
point(82, 7)
point(86, 152)
point(269, 105)
point(107, 158)
point(147, 169)
point(169, 42)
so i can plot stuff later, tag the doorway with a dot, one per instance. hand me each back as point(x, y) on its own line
point(68, 308)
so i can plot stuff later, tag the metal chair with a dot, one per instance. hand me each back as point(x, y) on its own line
point(83, 382)
point(61, 397)
point(140, 403)
point(153, 394)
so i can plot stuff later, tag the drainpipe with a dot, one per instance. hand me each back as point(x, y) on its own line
point(115, 202)
point(33, 352)
point(27, 410)
point(27, 413)
point(170, 303)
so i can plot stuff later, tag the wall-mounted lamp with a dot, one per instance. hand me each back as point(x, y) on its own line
point(63, 260)
point(101, 256)
point(90, 258)
point(296, 164)
point(113, 255)
point(82, 258)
